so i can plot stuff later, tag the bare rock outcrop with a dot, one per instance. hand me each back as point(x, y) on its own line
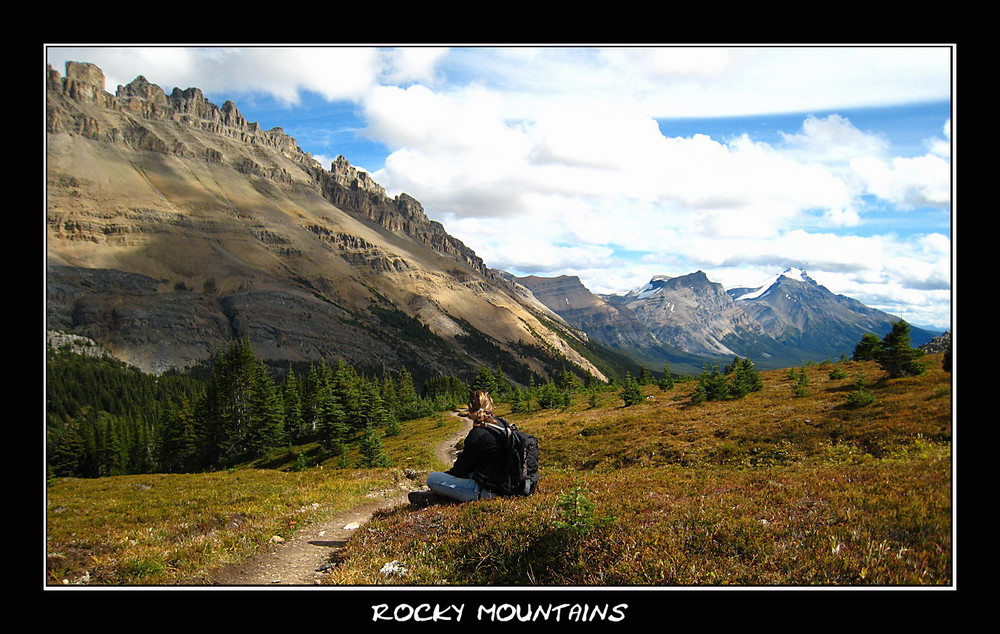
point(174, 225)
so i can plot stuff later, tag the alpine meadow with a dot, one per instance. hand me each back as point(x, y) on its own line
point(254, 354)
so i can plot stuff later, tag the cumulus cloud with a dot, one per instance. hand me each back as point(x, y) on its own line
point(551, 159)
point(907, 182)
point(281, 72)
point(833, 139)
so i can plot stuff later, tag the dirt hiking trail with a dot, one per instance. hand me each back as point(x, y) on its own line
point(304, 558)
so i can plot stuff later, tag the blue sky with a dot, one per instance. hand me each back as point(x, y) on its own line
point(619, 163)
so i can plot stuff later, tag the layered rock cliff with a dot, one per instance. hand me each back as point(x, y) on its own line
point(174, 225)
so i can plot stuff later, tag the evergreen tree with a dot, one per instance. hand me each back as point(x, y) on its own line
point(860, 396)
point(801, 387)
point(371, 408)
point(630, 393)
point(712, 386)
point(346, 384)
point(315, 392)
point(486, 380)
point(387, 390)
point(67, 454)
point(502, 386)
point(517, 402)
point(897, 358)
point(333, 429)
point(409, 405)
point(551, 397)
point(406, 392)
point(868, 349)
point(267, 415)
point(393, 428)
point(645, 377)
point(178, 440)
point(291, 396)
point(569, 382)
point(745, 378)
point(371, 449)
point(238, 410)
point(666, 382)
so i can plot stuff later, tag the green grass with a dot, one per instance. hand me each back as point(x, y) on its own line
point(769, 490)
point(176, 529)
point(165, 529)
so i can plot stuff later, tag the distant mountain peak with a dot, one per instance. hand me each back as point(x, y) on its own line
point(762, 289)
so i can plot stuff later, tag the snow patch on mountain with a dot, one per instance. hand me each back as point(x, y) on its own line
point(651, 288)
point(791, 273)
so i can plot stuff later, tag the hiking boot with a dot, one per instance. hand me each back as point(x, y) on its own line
point(422, 499)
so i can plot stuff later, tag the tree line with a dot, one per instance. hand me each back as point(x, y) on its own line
point(108, 419)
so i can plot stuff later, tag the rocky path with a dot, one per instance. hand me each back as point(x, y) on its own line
point(303, 559)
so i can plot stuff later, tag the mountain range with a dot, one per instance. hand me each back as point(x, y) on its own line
point(174, 225)
point(690, 321)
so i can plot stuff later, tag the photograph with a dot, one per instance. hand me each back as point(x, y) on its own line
point(556, 328)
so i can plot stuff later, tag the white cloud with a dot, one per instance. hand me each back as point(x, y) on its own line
point(833, 139)
point(908, 182)
point(279, 71)
point(411, 64)
point(551, 159)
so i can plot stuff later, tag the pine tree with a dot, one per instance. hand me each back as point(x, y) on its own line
point(371, 408)
point(666, 382)
point(409, 405)
point(267, 421)
point(291, 395)
point(485, 380)
point(387, 390)
point(868, 349)
point(712, 386)
point(334, 432)
point(801, 387)
point(67, 455)
point(239, 410)
point(645, 377)
point(569, 382)
point(551, 397)
point(630, 393)
point(501, 385)
point(860, 396)
point(372, 451)
point(346, 384)
point(178, 440)
point(745, 378)
point(897, 358)
point(517, 402)
point(315, 392)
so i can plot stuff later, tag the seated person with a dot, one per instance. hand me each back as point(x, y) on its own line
point(481, 460)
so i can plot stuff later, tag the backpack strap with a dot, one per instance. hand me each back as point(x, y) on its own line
point(504, 430)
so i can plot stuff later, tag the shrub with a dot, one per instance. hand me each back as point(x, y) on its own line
point(576, 513)
point(631, 393)
point(860, 396)
point(801, 387)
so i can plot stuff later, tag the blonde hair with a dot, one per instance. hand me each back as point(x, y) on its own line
point(480, 407)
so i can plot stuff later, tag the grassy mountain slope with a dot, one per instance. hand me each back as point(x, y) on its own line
point(770, 489)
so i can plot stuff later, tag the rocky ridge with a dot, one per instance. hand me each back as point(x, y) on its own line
point(692, 313)
point(788, 320)
point(174, 225)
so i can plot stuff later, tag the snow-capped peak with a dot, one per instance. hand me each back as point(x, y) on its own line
point(651, 288)
point(798, 274)
point(792, 273)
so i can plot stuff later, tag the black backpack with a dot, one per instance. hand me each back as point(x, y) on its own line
point(521, 461)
